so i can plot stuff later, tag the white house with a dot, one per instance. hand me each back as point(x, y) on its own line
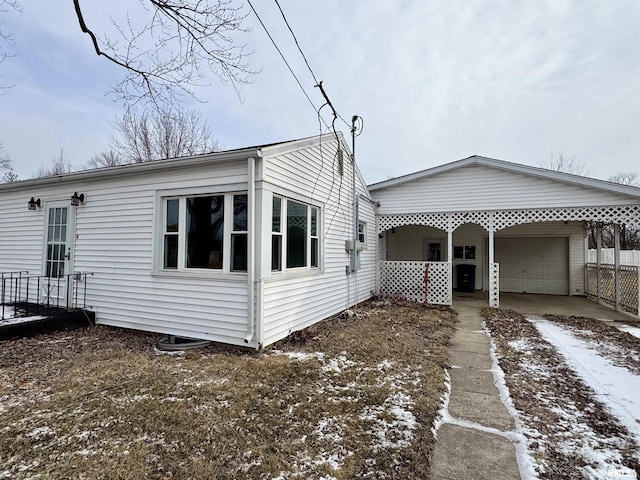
point(519, 228)
point(241, 247)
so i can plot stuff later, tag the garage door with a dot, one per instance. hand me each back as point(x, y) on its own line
point(533, 265)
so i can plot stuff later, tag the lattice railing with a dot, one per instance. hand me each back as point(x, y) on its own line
point(494, 285)
point(629, 289)
point(407, 279)
point(500, 219)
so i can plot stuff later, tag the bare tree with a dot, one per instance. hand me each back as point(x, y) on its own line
point(629, 236)
point(59, 166)
point(561, 162)
point(6, 38)
point(6, 168)
point(108, 158)
point(625, 178)
point(166, 53)
point(145, 137)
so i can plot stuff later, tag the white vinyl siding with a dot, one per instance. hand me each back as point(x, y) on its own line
point(115, 242)
point(294, 300)
point(486, 188)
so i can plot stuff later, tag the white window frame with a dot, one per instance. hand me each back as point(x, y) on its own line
point(159, 233)
point(363, 234)
point(284, 236)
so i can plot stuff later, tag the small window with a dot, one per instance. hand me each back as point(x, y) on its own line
point(466, 252)
point(314, 237)
point(470, 252)
point(434, 252)
point(239, 234)
point(172, 217)
point(362, 233)
point(276, 234)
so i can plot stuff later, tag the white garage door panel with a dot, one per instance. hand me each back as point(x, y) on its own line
point(533, 265)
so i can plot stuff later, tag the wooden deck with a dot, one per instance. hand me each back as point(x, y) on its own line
point(45, 321)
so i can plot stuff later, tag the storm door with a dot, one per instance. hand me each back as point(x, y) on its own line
point(56, 289)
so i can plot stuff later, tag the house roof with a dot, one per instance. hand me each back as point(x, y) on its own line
point(477, 160)
point(256, 151)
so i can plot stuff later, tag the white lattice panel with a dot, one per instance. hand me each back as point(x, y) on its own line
point(403, 278)
point(481, 218)
point(494, 285)
point(407, 280)
point(627, 214)
point(436, 220)
point(500, 219)
point(439, 283)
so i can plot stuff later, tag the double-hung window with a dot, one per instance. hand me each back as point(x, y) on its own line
point(295, 240)
point(205, 232)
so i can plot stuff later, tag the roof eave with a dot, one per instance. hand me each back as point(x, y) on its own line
point(136, 168)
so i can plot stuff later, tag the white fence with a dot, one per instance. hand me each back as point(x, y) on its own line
point(629, 285)
point(627, 257)
point(408, 278)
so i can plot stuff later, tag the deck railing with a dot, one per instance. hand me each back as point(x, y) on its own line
point(24, 295)
point(629, 285)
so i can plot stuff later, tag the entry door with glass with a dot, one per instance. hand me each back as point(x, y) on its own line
point(58, 254)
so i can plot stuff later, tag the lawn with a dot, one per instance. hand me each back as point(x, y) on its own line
point(346, 398)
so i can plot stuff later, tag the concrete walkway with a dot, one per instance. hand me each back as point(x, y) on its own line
point(477, 439)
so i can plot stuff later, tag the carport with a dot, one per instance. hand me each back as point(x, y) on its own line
point(525, 226)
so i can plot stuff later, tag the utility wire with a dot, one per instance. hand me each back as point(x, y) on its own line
point(296, 40)
point(315, 79)
point(283, 57)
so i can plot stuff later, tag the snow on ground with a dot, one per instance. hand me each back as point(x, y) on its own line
point(7, 317)
point(635, 331)
point(616, 387)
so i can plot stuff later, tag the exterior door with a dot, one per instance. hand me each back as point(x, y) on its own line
point(57, 288)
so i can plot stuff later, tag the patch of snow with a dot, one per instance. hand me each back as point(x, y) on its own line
point(41, 432)
point(338, 364)
point(397, 432)
point(635, 331)
point(523, 455)
point(616, 387)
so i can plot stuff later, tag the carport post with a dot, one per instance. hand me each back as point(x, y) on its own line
point(616, 260)
point(598, 259)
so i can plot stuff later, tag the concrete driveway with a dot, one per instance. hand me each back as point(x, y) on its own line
point(547, 304)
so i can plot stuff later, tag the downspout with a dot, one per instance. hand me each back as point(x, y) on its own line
point(251, 234)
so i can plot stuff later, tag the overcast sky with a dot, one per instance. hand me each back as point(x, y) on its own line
point(435, 81)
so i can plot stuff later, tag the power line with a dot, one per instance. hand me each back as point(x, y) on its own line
point(283, 57)
point(296, 40)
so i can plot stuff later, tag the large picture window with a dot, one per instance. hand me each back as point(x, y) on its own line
point(205, 232)
point(295, 241)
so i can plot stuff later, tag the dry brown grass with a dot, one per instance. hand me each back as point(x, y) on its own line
point(101, 403)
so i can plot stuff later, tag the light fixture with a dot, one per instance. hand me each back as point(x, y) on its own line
point(77, 199)
point(33, 203)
